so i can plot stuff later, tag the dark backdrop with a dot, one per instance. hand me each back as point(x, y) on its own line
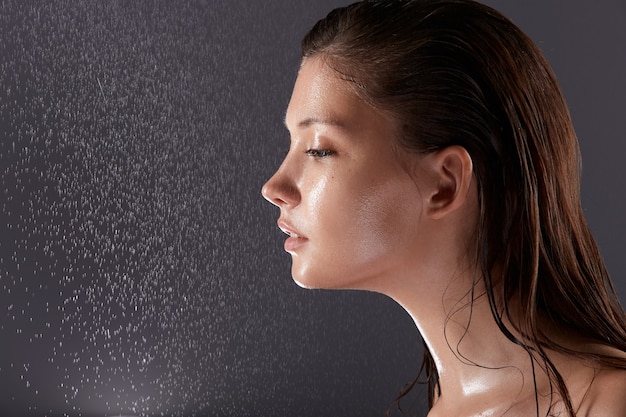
point(140, 270)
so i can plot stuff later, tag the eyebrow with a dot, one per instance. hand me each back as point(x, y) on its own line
point(309, 121)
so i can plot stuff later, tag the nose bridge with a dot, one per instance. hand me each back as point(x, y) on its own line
point(281, 189)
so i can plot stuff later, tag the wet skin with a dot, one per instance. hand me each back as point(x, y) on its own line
point(345, 194)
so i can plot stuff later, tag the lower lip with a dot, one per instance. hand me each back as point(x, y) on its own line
point(293, 243)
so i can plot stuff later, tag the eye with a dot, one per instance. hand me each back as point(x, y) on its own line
point(319, 153)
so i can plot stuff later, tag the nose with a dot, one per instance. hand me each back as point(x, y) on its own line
point(281, 190)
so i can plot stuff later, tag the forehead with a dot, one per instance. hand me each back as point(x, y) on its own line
point(320, 97)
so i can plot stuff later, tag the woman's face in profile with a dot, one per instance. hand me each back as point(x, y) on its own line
point(347, 201)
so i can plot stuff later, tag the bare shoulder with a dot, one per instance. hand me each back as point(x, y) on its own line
point(606, 396)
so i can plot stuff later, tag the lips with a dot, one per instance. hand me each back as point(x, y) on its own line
point(288, 230)
point(295, 239)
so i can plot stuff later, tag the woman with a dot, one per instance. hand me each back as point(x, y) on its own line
point(433, 160)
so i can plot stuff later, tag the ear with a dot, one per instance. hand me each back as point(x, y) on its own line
point(452, 171)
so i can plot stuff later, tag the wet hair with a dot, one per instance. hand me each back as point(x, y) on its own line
point(456, 72)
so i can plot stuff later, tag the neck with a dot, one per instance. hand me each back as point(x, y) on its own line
point(476, 362)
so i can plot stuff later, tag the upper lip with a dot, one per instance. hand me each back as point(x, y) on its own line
point(288, 229)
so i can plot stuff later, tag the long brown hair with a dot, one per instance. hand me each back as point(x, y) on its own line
point(455, 72)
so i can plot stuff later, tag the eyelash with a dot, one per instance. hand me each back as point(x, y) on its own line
point(319, 153)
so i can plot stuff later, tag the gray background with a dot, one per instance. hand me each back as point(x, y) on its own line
point(140, 270)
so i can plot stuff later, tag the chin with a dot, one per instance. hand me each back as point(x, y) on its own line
point(327, 279)
point(304, 284)
point(307, 281)
point(305, 278)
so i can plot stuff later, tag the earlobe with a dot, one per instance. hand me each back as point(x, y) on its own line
point(453, 170)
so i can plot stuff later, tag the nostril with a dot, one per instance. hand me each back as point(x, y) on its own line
point(271, 193)
point(281, 190)
point(280, 194)
point(266, 192)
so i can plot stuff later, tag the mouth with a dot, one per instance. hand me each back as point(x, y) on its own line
point(291, 234)
point(294, 241)
point(288, 230)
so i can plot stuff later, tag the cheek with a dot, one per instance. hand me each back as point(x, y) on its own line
point(384, 219)
point(358, 231)
point(366, 232)
point(370, 230)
